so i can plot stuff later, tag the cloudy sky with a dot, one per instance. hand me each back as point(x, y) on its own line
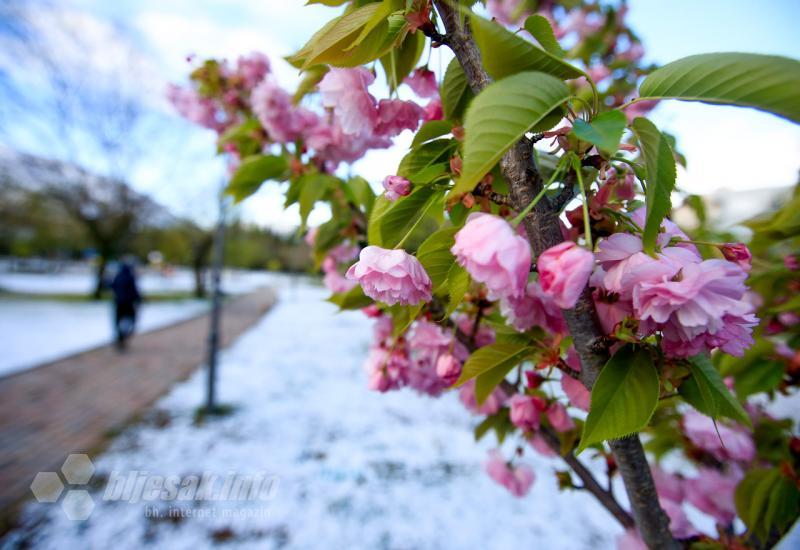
point(715, 140)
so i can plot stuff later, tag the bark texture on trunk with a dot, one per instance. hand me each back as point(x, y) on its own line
point(544, 231)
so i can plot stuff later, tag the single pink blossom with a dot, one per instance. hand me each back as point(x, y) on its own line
point(396, 115)
point(534, 308)
point(391, 276)
point(738, 253)
point(283, 121)
point(559, 417)
point(564, 270)
point(396, 187)
point(423, 82)
point(524, 412)
point(517, 479)
point(493, 254)
point(448, 368)
point(336, 283)
point(541, 446)
point(252, 68)
point(311, 236)
point(345, 90)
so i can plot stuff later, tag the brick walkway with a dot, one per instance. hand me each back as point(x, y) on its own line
point(70, 405)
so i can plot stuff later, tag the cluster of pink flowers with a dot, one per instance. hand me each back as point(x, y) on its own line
point(391, 276)
point(517, 479)
point(695, 304)
point(333, 279)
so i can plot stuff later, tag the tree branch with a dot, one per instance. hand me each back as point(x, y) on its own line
point(543, 230)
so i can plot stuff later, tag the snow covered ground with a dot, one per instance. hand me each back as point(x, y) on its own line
point(37, 331)
point(80, 280)
point(356, 469)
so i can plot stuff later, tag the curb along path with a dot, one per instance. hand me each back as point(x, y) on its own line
point(70, 405)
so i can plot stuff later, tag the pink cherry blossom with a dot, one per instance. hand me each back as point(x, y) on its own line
point(283, 121)
point(679, 523)
point(559, 417)
point(564, 270)
point(668, 486)
point(483, 337)
point(738, 253)
point(190, 105)
point(333, 146)
point(732, 443)
point(336, 283)
point(493, 254)
point(386, 368)
point(541, 446)
point(252, 68)
point(433, 110)
point(423, 82)
point(396, 115)
point(391, 276)
point(311, 236)
point(524, 412)
point(448, 368)
point(491, 406)
point(576, 392)
point(712, 492)
point(345, 90)
point(534, 308)
point(343, 253)
point(517, 479)
point(396, 187)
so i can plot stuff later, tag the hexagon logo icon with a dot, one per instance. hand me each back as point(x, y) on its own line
point(77, 505)
point(77, 469)
point(47, 487)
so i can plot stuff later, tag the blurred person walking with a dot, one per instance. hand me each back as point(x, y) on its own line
point(126, 301)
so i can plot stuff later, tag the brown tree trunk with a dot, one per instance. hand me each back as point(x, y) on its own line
point(100, 277)
point(543, 230)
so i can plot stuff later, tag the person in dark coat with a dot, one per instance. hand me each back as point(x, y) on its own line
point(126, 301)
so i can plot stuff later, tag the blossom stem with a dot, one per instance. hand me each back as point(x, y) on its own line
point(587, 230)
point(521, 216)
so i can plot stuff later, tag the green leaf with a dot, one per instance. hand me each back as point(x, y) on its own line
point(501, 114)
point(458, 281)
point(403, 316)
point(624, 397)
point(431, 130)
point(435, 256)
point(390, 222)
point(706, 391)
point(252, 172)
point(313, 188)
point(765, 82)
point(540, 29)
point(490, 357)
point(605, 131)
point(311, 77)
point(406, 58)
point(486, 383)
point(661, 174)
point(454, 91)
point(505, 53)
point(352, 299)
point(424, 156)
point(747, 507)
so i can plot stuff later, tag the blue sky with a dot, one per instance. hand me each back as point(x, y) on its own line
point(715, 140)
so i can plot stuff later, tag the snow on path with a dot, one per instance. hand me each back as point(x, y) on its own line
point(33, 332)
point(357, 469)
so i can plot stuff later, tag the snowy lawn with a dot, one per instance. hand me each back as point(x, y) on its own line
point(37, 331)
point(356, 469)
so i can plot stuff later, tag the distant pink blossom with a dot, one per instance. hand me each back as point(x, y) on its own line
point(494, 254)
point(679, 522)
point(713, 493)
point(517, 479)
point(576, 392)
point(190, 105)
point(283, 121)
point(524, 412)
point(483, 337)
point(559, 418)
point(639, 109)
point(396, 187)
point(491, 406)
point(311, 236)
point(732, 443)
point(423, 82)
point(336, 282)
point(541, 446)
point(448, 368)
point(252, 68)
point(564, 270)
point(345, 91)
point(391, 276)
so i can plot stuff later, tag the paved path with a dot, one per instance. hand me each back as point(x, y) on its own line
point(71, 405)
